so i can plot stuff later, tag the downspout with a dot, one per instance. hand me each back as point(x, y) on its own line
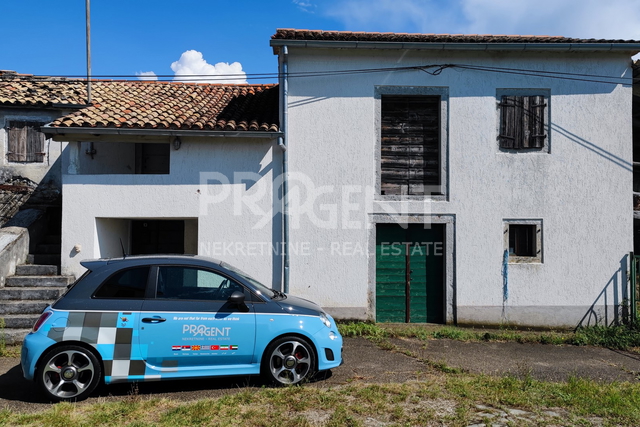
point(282, 142)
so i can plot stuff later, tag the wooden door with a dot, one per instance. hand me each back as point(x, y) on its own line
point(410, 273)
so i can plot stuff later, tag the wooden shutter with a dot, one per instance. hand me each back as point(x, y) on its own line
point(17, 142)
point(536, 121)
point(26, 142)
point(410, 148)
point(522, 122)
point(508, 122)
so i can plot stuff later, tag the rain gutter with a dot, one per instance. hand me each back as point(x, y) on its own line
point(50, 130)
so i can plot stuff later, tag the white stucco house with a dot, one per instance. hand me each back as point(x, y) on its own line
point(24, 149)
point(460, 179)
point(150, 167)
point(391, 177)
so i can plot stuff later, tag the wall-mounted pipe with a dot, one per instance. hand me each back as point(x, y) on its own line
point(282, 142)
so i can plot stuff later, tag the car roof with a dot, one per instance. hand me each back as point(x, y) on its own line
point(132, 260)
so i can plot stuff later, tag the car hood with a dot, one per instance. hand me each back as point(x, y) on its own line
point(299, 305)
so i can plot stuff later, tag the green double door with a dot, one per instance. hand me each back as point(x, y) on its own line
point(409, 273)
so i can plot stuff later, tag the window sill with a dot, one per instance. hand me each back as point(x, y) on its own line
point(524, 260)
point(411, 198)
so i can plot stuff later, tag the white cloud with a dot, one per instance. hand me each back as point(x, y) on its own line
point(146, 75)
point(610, 19)
point(616, 19)
point(191, 63)
point(305, 6)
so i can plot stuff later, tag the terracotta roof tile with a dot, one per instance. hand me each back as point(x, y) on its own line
point(148, 104)
point(295, 34)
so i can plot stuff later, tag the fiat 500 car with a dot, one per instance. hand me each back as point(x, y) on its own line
point(155, 318)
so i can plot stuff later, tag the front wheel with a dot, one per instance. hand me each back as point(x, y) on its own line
point(289, 360)
point(68, 373)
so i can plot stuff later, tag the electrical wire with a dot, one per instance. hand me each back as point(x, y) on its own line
point(432, 69)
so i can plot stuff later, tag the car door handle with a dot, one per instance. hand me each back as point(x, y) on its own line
point(153, 320)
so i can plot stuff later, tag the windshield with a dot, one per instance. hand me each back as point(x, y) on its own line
point(259, 286)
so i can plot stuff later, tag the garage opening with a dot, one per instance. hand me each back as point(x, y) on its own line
point(410, 273)
point(146, 236)
point(150, 236)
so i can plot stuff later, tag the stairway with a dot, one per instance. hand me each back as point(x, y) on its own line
point(25, 295)
point(47, 253)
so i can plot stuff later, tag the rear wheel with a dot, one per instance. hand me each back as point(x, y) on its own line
point(289, 360)
point(68, 373)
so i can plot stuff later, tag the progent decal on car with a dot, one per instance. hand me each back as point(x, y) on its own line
point(205, 331)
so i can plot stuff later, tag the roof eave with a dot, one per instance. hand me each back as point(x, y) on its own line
point(52, 130)
point(42, 105)
point(554, 47)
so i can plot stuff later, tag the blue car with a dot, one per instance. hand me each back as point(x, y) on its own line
point(149, 318)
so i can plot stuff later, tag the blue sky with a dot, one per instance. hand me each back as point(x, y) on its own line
point(47, 37)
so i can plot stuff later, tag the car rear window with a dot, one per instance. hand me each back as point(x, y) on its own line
point(128, 284)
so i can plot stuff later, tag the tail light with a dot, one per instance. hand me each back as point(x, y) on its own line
point(43, 317)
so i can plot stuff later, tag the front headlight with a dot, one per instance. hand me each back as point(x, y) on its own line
point(325, 319)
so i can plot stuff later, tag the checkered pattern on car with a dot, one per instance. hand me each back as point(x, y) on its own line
point(114, 335)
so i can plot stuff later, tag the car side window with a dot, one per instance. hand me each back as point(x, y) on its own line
point(129, 284)
point(175, 282)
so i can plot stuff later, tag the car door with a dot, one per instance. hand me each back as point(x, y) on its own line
point(189, 322)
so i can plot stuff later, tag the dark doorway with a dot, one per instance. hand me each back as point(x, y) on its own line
point(410, 273)
point(152, 158)
point(157, 237)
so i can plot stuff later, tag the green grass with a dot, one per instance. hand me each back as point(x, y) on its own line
point(449, 399)
point(620, 337)
point(446, 396)
point(10, 350)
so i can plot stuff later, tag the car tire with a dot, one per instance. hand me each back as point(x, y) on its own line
point(68, 373)
point(289, 360)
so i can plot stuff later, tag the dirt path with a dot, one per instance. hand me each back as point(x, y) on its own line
point(366, 362)
point(541, 361)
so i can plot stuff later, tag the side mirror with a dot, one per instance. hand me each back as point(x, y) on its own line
point(236, 298)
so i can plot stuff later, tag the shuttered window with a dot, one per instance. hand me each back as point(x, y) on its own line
point(26, 142)
point(522, 122)
point(410, 157)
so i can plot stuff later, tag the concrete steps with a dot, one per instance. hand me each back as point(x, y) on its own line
point(36, 270)
point(8, 308)
point(14, 336)
point(44, 259)
point(37, 281)
point(26, 295)
point(20, 321)
point(30, 293)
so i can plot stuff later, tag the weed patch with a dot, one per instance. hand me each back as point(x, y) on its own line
point(622, 337)
point(459, 399)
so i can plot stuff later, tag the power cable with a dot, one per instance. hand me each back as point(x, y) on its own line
point(434, 70)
